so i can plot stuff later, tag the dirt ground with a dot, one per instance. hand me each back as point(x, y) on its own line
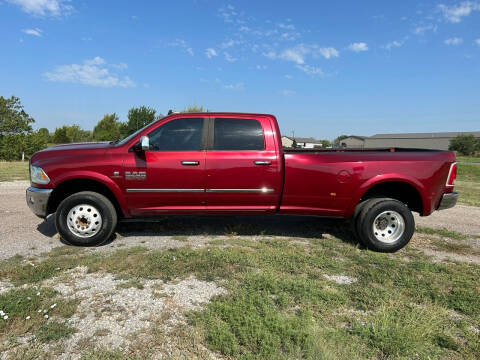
point(25, 234)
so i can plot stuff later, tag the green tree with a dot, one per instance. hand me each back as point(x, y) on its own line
point(465, 144)
point(294, 144)
point(325, 143)
point(45, 133)
point(336, 142)
point(13, 119)
point(77, 134)
point(35, 141)
point(138, 117)
point(15, 123)
point(60, 136)
point(108, 129)
point(194, 109)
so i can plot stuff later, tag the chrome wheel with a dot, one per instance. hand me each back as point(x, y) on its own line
point(84, 220)
point(388, 226)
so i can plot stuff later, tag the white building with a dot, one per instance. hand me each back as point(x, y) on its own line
point(302, 143)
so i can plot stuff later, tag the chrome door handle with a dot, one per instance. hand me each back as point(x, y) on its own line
point(190, 163)
point(262, 162)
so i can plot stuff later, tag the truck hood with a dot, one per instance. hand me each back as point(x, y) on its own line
point(79, 146)
point(64, 151)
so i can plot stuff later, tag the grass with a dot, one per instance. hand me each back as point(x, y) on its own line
point(468, 159)
point(15, 170)
point(280, 305)
point(26, 309)
point(442, 232)
point(53, 330)
point(468, 184)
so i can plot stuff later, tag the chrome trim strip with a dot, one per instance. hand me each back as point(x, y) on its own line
point(39, 190)
point(262, 190)
point(164, 190)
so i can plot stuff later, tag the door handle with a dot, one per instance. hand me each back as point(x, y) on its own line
point(258, 162)
point(190, 163)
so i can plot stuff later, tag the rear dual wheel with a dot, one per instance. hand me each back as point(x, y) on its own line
point(384, 224)
point(86, 219)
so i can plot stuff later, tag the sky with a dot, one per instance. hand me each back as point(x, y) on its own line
point(323, 68)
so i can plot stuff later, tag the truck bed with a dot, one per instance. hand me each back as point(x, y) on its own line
point(330, 182)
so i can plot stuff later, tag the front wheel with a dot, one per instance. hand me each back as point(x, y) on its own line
point(86, 219)
point(385, 225)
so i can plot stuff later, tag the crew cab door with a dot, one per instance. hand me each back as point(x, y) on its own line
point(242, 166)
point(170, 176)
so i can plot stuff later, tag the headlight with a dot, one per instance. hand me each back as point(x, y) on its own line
point(38, 176)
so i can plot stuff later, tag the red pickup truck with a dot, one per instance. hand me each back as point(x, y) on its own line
point(234, 164)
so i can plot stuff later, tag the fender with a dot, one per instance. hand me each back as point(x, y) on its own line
point(383, 178)
point(92, 175)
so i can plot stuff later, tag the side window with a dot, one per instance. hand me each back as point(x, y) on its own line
point(177, 135)
point(238, 134)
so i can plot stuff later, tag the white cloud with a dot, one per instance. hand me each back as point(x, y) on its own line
point(455, 13)
point(395, 43)
point(209, 53)
point(183, 45)
point(286, 26)
point(422, 29)
point(120, 66)
point(270, 54)
point(44, 7)
point(287, 92)
point(236, 86)
point(477, 42)
point(33, 32)
point(229, 57)
point(228, 13)
point(310, 70)
point(327, 52)
point(453, 41)
point(358, 47)
point(298, 53)
point(227, 44)
point(93, 72)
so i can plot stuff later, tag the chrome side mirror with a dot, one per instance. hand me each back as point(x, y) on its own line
point(144, 143)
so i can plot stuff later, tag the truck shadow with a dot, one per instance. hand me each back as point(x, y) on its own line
point(285, 226)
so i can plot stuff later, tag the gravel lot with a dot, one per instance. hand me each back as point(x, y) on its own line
point(25, 234)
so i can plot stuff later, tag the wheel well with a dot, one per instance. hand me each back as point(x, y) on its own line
point(73, 186)
point(397, 190)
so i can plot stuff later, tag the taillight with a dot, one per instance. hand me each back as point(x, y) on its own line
point(452, 175)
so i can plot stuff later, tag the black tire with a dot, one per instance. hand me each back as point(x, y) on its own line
point(354, 220)
point(388, 207)
point(102, 207)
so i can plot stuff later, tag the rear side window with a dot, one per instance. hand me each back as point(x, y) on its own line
point(238, 134)
point(177, 135)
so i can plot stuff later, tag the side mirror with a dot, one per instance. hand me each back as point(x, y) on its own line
point(144, 143)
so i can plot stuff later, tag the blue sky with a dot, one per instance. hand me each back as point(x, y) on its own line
point(323, 68)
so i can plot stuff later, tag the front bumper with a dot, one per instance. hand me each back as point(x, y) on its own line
point(37, 200)
point(448, 201)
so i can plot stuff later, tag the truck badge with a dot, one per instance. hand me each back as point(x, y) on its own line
point(135, 175)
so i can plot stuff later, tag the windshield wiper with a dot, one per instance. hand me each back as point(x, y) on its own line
point(114, 142)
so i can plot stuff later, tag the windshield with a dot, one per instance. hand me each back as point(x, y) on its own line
point(129, 137)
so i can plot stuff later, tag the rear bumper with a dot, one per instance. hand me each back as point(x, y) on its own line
point(37, 200)
point(448, 201)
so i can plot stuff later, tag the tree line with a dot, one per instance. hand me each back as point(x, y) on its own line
point(17, 136)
